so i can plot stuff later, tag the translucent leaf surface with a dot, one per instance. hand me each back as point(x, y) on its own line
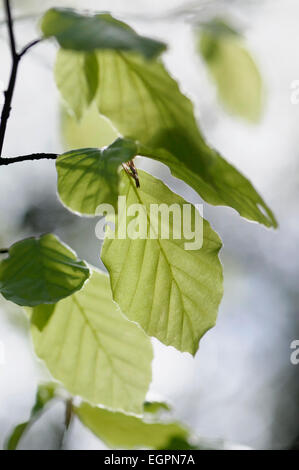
point(41, 271)
point(93, 350)
point(171, 291)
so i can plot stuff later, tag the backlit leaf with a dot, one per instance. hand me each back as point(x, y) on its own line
point(93, 350)
point(101, 31)
point(76, 76)
point(41, 271)
point(171, 291)
point(93, 130)
point(89, 177)
point(234, 72)
point(121, 431)
point(144, 103)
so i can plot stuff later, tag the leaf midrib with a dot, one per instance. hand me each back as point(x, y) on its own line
point(132, 184)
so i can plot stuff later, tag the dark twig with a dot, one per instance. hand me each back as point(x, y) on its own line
point(3, 251)
point(7, 103)
point(31, 157)
point(8, 94)
point(13, 75)
point(29, 46)
point(131, 170)
point(10, 28)
point(67, 420)
point(68, 413)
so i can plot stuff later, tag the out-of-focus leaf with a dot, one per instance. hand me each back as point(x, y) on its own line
point(121, 431)
point(101, 31)
point(45, 393)
point(89, 177)
point(234, 71)
point(94, 351)
point(178, 443)
point(16, 435)
point(144, 103)
point(93, 130)
point(41, 271)
point(219, 27)
point(171, 290)
point(76, 76)
point(155, 407)
point(41, 315)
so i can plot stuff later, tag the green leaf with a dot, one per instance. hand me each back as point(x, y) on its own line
point(234, 72)
point(172, 292)
point(219, 27)
point(94, 351)
point(120, 431)
point(89, 177)
point(41, 315)
point(76, 76)
point(144, 103)
point(45, 393)
point(178, 443)
point(101, 31)
point(41, 271)
point(155, 407)
point(16, 435)
point(93, 130)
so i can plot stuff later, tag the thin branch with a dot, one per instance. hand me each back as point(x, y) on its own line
point(29, 46)
point(8, 99)
point(10, 28)
point(31, 157)
point(3, 251)
point(13, 75)
point(68, 413)
point(67, 421)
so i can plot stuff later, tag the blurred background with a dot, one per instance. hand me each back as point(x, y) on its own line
point(241, 387)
